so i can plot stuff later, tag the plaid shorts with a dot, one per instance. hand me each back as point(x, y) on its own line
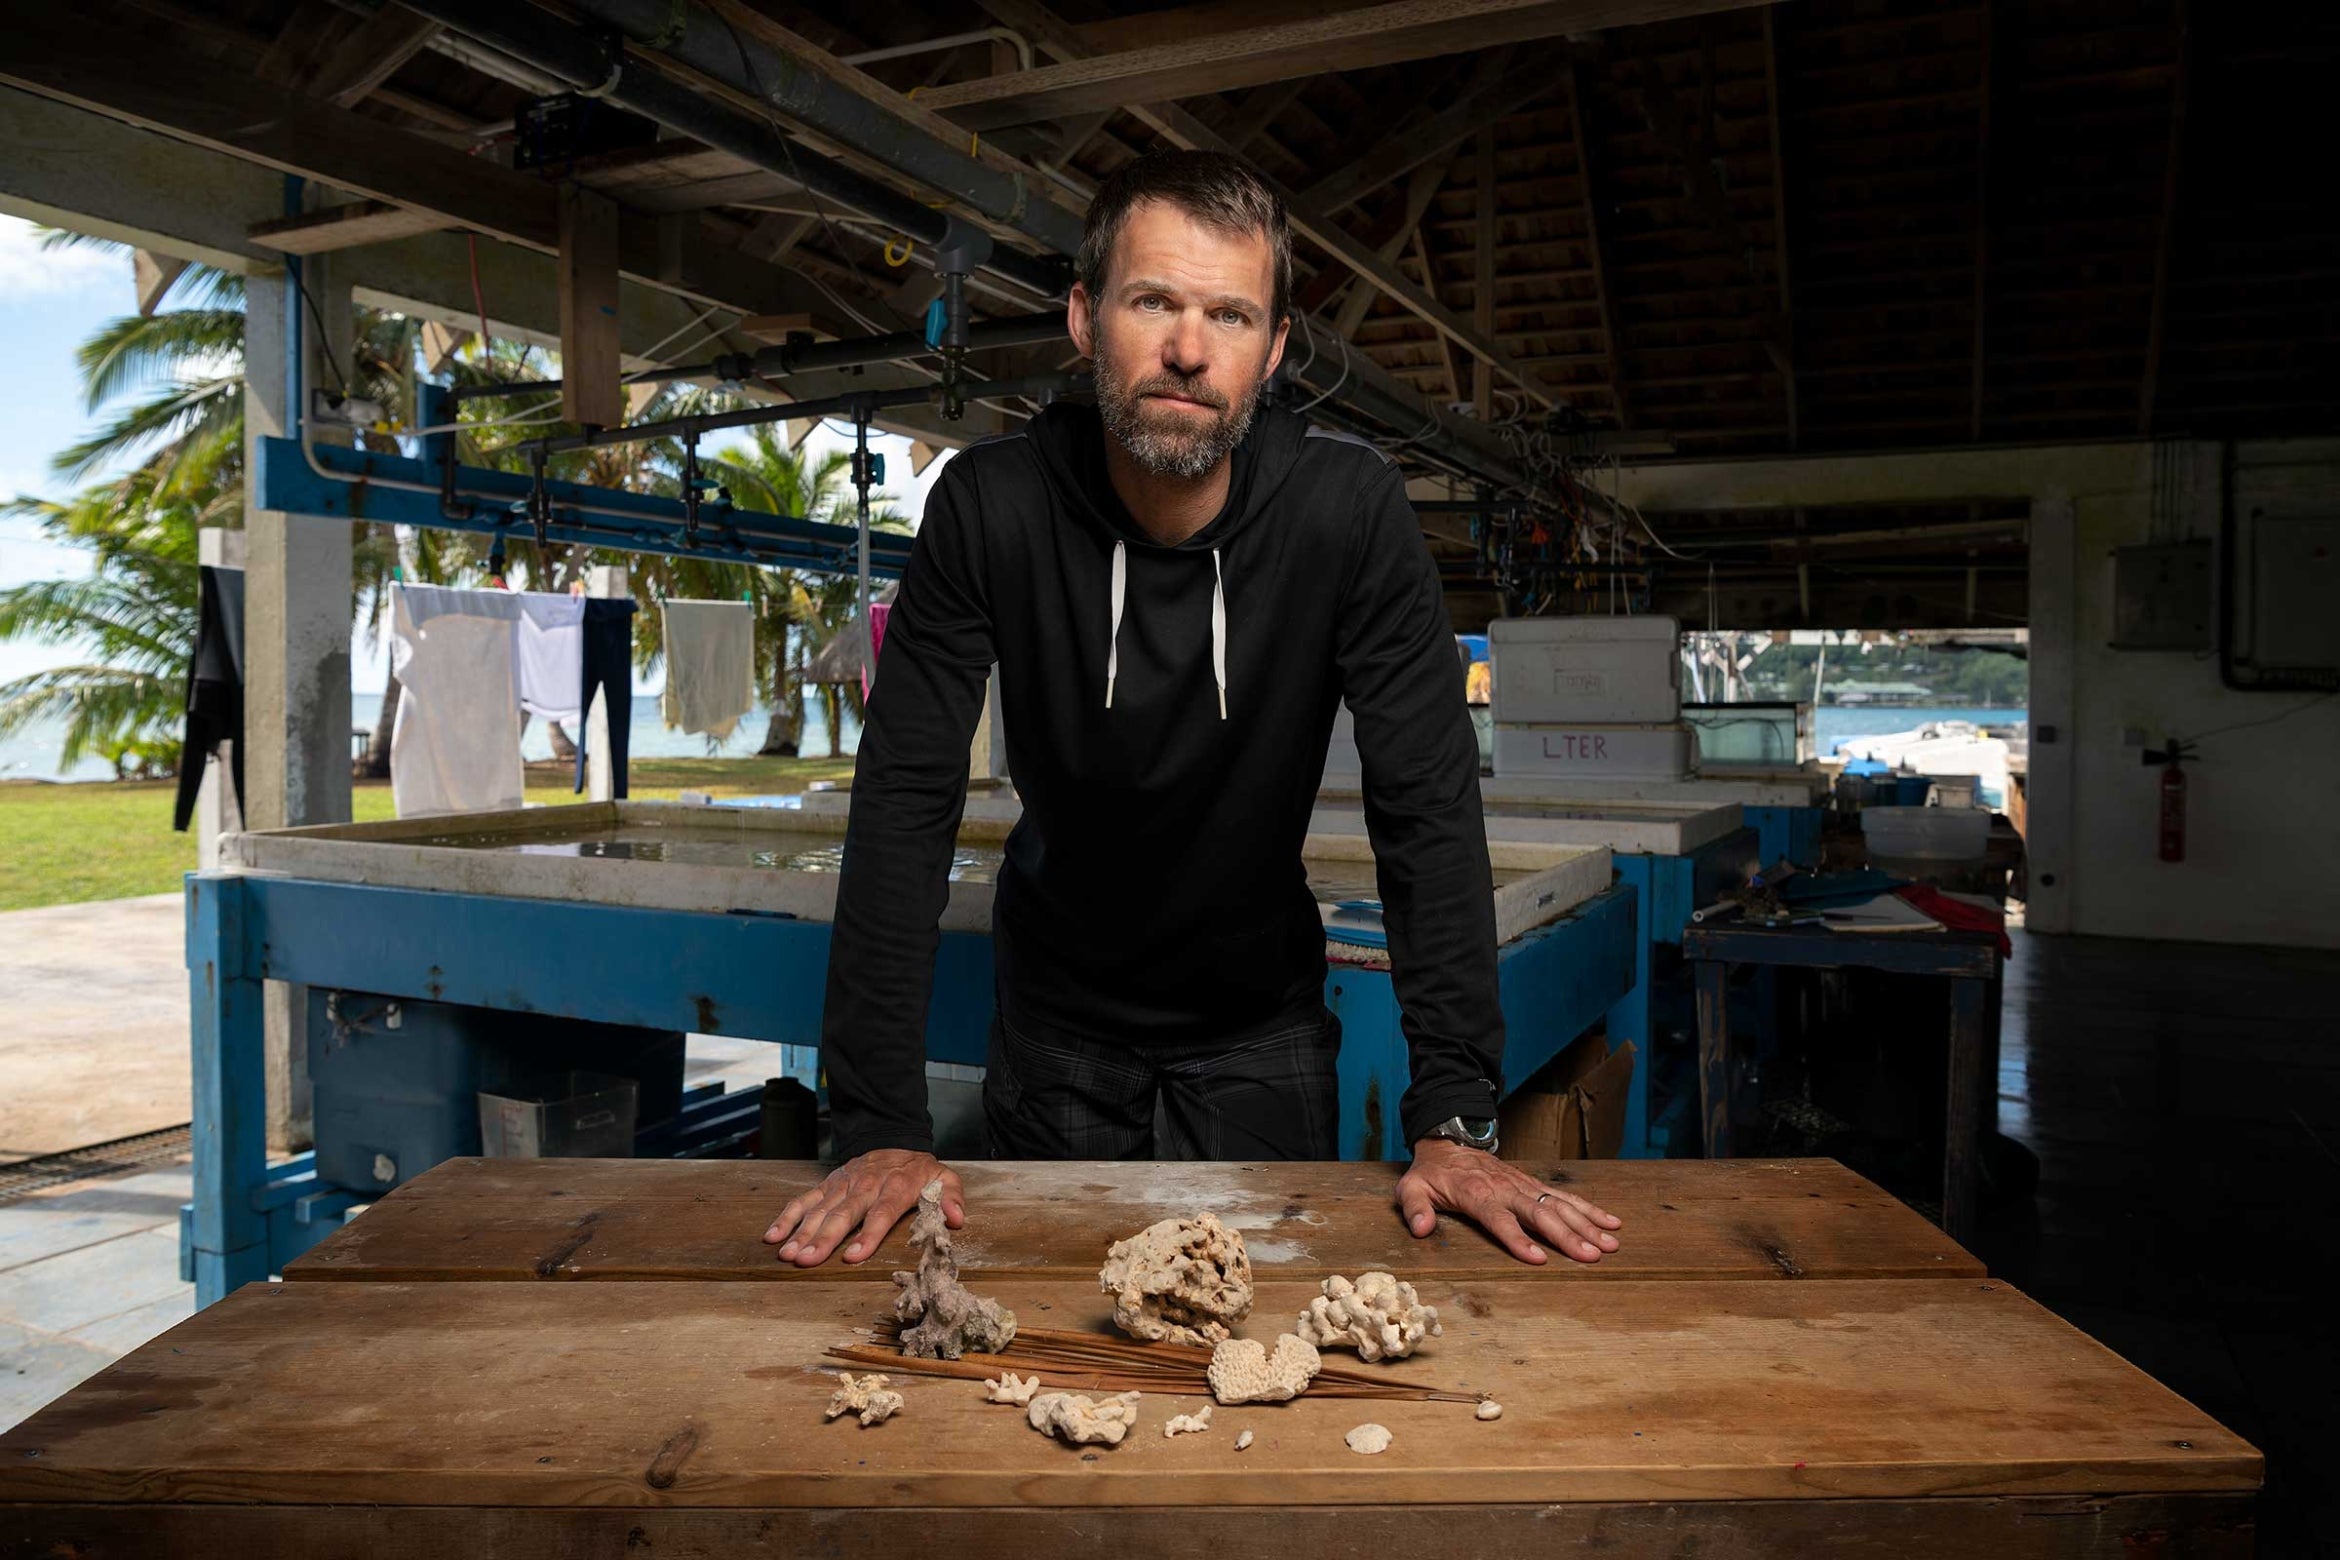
point(1269, 1096)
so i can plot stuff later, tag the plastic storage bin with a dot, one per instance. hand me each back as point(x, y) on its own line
point(1594, 752)
point(570, 1115)
point(1621, 670)
point(1939, 834)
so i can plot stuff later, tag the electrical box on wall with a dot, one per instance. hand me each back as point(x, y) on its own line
point(2292, 627)
point(2162, 597)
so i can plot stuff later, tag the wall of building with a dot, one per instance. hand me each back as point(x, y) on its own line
point(2263, 848)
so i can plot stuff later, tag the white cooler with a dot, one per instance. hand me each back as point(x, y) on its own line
point(1584, 750)
point(1593, 670)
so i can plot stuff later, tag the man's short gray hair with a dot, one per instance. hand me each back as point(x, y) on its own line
point(1216, 189)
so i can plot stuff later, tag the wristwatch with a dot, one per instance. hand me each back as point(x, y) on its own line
point(1470, 1132)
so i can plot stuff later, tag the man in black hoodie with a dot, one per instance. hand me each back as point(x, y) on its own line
point(1179, 587)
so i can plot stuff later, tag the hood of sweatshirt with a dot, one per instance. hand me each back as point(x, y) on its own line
point(1070, 437)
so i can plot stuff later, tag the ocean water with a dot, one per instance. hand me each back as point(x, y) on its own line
point(32, 754)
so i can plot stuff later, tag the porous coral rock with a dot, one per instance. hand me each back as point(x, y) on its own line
point(1367, 1440)
point(866, 1396)
point(949, 1321)
point(1081, 1420)
point(1011, 1388)
point(1187, 1424)
point(1179, 1281)
point(1243, 1371)
point(1379, 1316)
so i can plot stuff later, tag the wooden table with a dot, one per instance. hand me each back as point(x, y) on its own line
point(1969, 960)
point(508, 1219)
point(1735, 1394)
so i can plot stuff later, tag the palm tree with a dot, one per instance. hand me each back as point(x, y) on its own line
point(135, 611)
point(175, 381)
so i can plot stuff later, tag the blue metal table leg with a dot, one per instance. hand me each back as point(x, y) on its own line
point(230, 1132)
point(1629, 1018)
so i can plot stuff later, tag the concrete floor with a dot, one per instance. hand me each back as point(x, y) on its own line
point(87, 1273)
point(95, 1042)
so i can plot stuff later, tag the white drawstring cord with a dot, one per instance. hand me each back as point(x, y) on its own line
point(1113, 641)
point(1219, 629)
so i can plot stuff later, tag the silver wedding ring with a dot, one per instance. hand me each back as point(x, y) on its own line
point(1540, 1200)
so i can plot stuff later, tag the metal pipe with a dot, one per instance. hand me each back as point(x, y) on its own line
point(781, 360)
point(1035, 385)
point(902, 51)
point(576, 58)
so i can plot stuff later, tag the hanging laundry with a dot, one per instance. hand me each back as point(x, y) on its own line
point(215, 690)
point(608, 633)
point(548, 642)
point(456, 745)
point(710, 665)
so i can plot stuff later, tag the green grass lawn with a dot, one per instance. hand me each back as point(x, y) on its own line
point(60, 844)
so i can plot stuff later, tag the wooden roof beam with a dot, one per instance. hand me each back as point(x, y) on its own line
point(1387, 34)
point(1182, 128)
point(1779, 223)
point(1600, 261)
point(2164, 246)
point(1494, 93)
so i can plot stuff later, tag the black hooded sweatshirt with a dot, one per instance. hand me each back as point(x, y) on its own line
point(1167, 711)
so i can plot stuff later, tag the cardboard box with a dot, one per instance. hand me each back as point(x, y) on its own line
point(1574, 1107)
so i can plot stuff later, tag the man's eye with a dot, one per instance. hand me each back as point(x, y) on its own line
point(1231, 316)
point(1149, 301)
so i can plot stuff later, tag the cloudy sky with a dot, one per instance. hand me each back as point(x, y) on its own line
point(50, 301)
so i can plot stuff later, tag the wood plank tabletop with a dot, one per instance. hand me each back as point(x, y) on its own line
point(709, 1395)
point(504, 1219)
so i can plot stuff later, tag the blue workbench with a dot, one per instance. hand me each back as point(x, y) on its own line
point(1666, 889)
point(749, 976)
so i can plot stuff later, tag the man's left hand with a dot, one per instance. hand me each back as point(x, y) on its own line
point(1503, 1200)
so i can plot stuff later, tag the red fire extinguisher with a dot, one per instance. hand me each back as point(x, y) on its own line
point(2173, 796)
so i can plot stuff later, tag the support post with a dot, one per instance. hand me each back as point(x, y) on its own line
point(296, 619)
point(230, 1106)
point(590, 392)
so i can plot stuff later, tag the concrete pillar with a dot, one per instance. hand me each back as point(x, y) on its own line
point(296, 635)
point(2052, 864)
point(217, 811)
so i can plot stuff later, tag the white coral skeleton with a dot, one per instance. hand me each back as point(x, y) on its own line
point(1243, 1371)
point(1082, 1420)
point(1187, 1424)
point(865, 1396)
point(1179, 1281)
point(1010, 1388)
point(1379, 1316)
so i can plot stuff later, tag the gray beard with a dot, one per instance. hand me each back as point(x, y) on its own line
point(1173, 452)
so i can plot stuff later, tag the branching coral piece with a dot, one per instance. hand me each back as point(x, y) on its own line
point(1187, 1424)
point(866, 1396)
point(1011, 1388)
point(1369, 1440)
point(1082, 1420)
point(1180, 1281)
point(950, 1321)
point(1243, 1371)
point(1379, 1316)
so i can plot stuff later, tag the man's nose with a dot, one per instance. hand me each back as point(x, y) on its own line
point(1186, 352)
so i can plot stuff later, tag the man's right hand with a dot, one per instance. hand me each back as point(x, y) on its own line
point(862, 1198)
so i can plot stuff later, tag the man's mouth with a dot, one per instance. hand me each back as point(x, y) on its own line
point(1179, 400)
